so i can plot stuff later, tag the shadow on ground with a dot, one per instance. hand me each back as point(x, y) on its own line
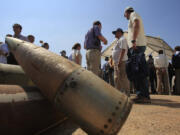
point(165, 102)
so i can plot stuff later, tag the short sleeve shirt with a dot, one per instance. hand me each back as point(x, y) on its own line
point(89, 38)
point(161, 61)
point(141, 38)
point(76, 53)
point(5, 50)
point(118, 46)
point(21, 37)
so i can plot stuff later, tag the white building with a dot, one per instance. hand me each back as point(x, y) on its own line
point(154, 44)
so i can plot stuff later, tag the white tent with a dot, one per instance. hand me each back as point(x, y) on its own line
point(154, 44)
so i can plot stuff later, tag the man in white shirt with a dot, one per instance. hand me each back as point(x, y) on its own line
point(4, 51)
point(161, 64)
point(137, 44)
point(119, 55)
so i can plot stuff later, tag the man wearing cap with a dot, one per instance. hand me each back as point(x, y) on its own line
point(137, 44)
point(92, 44)
point(119, 55)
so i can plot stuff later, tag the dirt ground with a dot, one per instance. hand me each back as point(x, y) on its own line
point(161, 117)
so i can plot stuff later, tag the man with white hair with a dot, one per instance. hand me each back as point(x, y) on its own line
point(137, 44)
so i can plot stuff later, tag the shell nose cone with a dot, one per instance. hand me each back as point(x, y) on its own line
point(93, 104)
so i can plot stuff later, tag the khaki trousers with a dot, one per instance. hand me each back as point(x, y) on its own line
point(93, 60)
point(120, 78)
point(163, 86)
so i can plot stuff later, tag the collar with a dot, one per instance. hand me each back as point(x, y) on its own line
point(17, 36)
point(177, 52)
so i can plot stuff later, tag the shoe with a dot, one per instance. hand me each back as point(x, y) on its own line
point(137, 100)
point(142, 100)
point(147, 100)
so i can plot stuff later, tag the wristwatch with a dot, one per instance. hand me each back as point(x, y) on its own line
point(133, 41)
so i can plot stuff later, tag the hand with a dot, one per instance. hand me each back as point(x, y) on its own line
point(41, 41)
point(1, 52)
point(134, 45)
point(105, 42)
point(84, 46)
point(120, 62)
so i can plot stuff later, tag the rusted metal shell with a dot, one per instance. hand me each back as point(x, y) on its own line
point(46, 69)
point(25, 111)
point(96, 106)
point(13, 74)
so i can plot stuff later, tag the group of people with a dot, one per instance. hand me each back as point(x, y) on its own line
point(128, 58)
point(127, 66)
point(161, 72)
point(6, 56)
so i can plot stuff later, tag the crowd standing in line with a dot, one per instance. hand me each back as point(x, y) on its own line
point(126, 66)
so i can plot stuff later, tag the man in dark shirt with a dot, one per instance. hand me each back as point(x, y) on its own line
point(152, 74)
point(106, 67)
point(176, 65)
point(93, 46)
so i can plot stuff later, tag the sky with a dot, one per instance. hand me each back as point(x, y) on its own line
point(62, 23)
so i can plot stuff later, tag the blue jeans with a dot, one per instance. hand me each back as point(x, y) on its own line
point(140, 83)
